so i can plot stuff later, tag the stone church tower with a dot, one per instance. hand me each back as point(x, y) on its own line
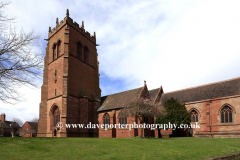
point(70, 91)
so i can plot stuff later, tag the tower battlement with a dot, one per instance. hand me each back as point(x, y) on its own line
point(68, 22)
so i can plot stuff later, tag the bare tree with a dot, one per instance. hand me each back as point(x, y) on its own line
point(142, 108)
point(34, 126)
point(34, 120)
point(16, 125)
point(18, 121)
point(20, 64)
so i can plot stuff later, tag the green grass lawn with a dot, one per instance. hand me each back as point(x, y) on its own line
point(132, 148)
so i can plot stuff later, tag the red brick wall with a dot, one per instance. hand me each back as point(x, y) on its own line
point(81, 76)
point(102, 132)
point(123, 132)
point(165, 133)
point(3, 117)
point(26, 130)
point(42, 122)
point(218, 129)
point(52, 85)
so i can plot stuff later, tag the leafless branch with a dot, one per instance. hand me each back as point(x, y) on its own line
point(142, 108)
point(20, 64)
point(18, 123)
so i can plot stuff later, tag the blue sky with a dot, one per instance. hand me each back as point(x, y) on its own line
point(176, 44)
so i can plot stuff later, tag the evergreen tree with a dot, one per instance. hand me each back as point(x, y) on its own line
point(176, 113)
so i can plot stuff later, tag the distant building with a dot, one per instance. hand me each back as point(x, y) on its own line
point(29, 129)
point(8, 128)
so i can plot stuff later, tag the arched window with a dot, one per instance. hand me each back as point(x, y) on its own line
point(226, 115)
point(79, 51)
point(123, 122)
point(58, 49)
point(194, 116)
point(54, 52)
point(56, 115)
point(86, 56)
point(106, 121)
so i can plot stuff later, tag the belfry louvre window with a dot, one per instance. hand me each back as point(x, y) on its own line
point(123, 122)
point(86, 56)
point(106, 121)
point(79, 51)
point(54, 52)
point(58, 49)
point(194, 116)
point(226, 115)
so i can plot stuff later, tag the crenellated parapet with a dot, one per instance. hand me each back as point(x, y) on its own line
point(68, 22)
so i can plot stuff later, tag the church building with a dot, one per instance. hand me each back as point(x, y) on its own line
point(215, 107)
point(71, 94)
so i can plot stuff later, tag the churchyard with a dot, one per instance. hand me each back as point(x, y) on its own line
point(116, 148)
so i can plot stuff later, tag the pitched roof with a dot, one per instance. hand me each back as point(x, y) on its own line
point(209, 91)
point(7, 123)
point(153, 93)
point(33, 124)
point(118, 100)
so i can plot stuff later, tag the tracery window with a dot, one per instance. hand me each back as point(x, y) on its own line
point(56, 116)
point(194, 116)
point(226, 115)
point(123, 122)
point(106, 121)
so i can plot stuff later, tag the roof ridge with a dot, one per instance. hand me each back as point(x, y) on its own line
point(122, 92)
point(208, 84)
point(154, 89)
point(9, 121)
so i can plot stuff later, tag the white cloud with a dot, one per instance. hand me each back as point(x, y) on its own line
point(187, 46)
point(27, 110)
